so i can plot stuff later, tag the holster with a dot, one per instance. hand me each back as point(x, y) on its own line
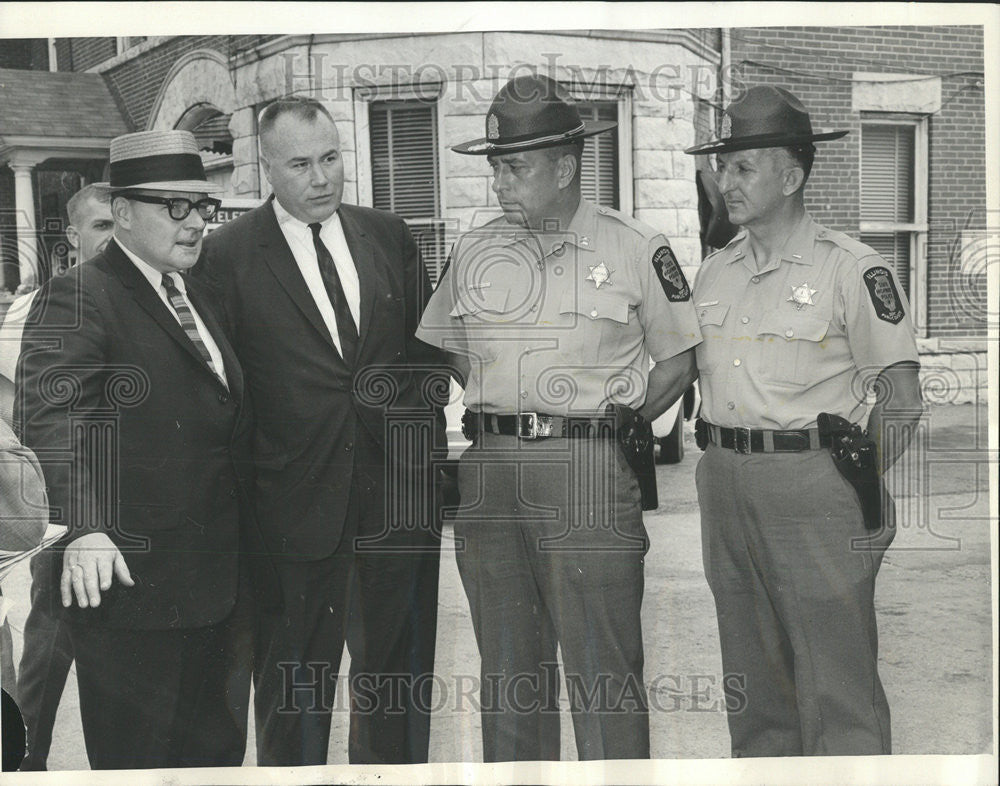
point(856, 459)
point(635, 436)
point(700, 433)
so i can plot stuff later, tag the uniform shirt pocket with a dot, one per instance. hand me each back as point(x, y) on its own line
point(792, 347)
point(598, 324)
point(711, 318)
point(478, 309)
point(481, 303)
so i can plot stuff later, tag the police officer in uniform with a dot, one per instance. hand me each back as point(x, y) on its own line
point(796, 320)
point(552, 313)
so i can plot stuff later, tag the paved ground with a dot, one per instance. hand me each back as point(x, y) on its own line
point(933, 600)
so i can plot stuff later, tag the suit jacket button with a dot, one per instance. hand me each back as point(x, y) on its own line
point(223, 398)
point(232, 493)
point(348, 446)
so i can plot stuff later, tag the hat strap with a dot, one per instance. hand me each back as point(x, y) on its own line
point(156, 169)
point(531, 139)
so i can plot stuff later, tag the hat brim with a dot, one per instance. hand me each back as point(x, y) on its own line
point(486, 147)
point(731, 144)
point(195, 186)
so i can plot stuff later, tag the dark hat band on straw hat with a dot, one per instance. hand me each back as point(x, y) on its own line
point(765, 117)
point(170, 166)
point(158, 161)
point(530, 113)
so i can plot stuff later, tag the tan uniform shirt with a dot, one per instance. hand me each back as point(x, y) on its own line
point(805, 334)
point(561, 322)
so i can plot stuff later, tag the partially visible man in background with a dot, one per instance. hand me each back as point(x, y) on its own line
point(48, 653)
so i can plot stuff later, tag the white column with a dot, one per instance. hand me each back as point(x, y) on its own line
point(27, 238)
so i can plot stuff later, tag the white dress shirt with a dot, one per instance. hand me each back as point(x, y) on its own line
point(155, 279)
point(300, 240)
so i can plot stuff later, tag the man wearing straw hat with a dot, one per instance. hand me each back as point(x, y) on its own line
point(132, 398)
point(799, 323)
point(552, 313)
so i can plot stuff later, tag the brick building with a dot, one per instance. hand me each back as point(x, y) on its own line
point(908, 180)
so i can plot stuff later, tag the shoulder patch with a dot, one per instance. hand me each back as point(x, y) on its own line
point(885, 298)
point(675, 287)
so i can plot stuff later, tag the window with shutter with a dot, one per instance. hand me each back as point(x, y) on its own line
point(404, 171)
point(889, 193)
point(599, 168)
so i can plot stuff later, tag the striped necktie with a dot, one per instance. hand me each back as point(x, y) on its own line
point(187, 322)
point(347, 330)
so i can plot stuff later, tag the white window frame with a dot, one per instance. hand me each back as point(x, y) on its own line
point(363, 98)
point(622, 95)
point(917, 229)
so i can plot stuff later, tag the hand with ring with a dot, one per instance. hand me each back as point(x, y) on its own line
point(89, 563)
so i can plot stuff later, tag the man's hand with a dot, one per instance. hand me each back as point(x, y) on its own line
point(88, 565)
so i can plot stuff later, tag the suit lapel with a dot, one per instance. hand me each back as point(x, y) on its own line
point(369, 283)
point(144, 295)
point(279, 258)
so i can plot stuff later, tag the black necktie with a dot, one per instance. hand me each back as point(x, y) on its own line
point(347, 330)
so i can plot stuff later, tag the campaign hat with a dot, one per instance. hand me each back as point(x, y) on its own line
point(158, 161)
point(531, 112)
point(764, 116)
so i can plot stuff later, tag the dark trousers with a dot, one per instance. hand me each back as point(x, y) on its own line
point(550, 546)
point(173, 698)
point(45, 660)
point(384, 604)
point(793, 569)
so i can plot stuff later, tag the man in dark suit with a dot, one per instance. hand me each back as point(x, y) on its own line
point(133, 400)
point(322, 300)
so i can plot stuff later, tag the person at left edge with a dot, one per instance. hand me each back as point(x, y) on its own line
point(125, 369)
point(47, 653)
point(323, 299)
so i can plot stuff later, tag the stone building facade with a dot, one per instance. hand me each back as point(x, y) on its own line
point(401, 101)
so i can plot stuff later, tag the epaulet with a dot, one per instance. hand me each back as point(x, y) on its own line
point(738, 236)
point(639, 227)
point(855, 248)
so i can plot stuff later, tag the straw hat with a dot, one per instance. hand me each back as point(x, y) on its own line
point(158, 161)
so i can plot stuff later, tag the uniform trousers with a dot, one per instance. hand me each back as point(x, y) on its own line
point(165, 698)
point(792, 569)
point(550, 546)
point(45, 659)
point(383, 602)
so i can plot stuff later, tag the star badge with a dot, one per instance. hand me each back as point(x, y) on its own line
point(600, 274)
point(802, 295)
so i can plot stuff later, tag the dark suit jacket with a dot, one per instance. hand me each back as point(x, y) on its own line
point(139, 439)
point(312, 412)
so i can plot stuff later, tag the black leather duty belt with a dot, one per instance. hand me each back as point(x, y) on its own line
point(747, 440)
point(535, 425)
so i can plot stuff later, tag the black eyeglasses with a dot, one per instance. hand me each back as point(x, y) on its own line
point(180, 208)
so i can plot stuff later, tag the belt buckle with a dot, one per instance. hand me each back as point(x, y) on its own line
point(741, 439)
point(539, 426)
point(532, 425)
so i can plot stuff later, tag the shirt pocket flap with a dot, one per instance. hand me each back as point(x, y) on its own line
point(794, 326)
point(714, 314)
point(595, 304)
point(476, 301)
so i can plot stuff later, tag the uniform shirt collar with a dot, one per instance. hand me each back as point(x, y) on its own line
point(150, 273)
point(580, 232)
point(797, 248)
